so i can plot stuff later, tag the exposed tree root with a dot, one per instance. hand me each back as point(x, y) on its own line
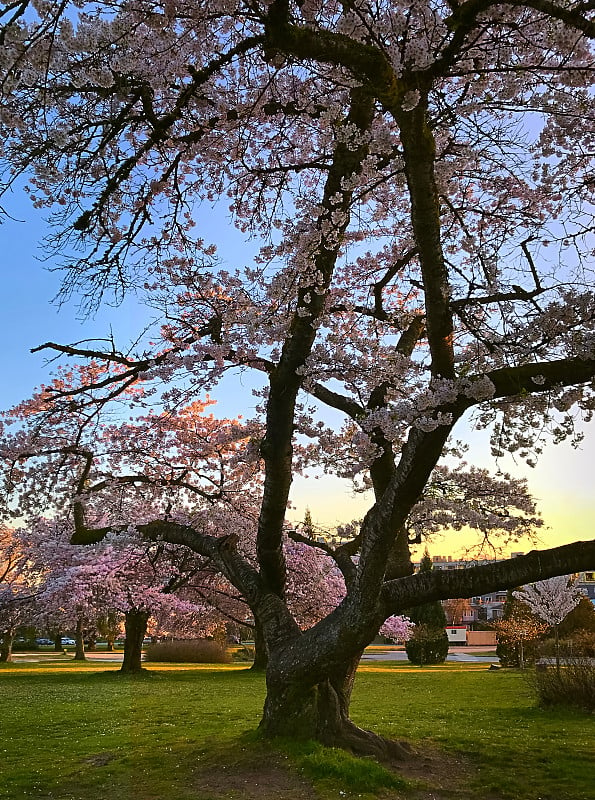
point(366, 743)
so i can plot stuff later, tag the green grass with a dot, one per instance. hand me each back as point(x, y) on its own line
point(79, 732)
point(520, 751)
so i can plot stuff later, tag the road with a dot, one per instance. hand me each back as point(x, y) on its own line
point(461, 654)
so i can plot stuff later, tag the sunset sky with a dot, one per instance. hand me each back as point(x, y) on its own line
point(563, 482)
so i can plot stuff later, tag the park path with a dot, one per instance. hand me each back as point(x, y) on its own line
point(471, 655)
point(475, 655)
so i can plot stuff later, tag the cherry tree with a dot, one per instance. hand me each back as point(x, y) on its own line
point(145, 582)
point(551, 601)
point(397, 628)
point(421, 195)
point(18, 590)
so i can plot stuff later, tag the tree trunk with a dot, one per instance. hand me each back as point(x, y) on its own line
point(260, 651)
point(58, 642)
point(557, 633)
point(79, 651)
point(6, 647)
point(135, 623)
point(303, 709)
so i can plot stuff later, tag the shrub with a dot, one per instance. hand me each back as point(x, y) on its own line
point(517, 653)
point(582, 643)
point(427, 645)
point(24, 647)
point(572, 684)
point(191, 651)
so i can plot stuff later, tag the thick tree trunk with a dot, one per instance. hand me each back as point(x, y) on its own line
point(79, 650)
point(6, 647)
point(136, 627)
point(260, 651)
point(306, 710)
point(58, 642)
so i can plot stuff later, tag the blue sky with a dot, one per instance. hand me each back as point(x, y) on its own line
point(563, 481)
point(27, 315)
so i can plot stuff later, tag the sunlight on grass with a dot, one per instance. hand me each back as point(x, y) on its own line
point(327, 765)
point(97, 734)
point(490, 718)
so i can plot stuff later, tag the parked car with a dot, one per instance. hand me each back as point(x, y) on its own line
point(44, 641)
point(65, 640)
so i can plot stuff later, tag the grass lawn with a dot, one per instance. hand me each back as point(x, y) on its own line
point(82, 732)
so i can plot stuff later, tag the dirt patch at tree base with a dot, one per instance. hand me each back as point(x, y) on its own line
point(268, 779)
point(434, 775)
point(437, 775)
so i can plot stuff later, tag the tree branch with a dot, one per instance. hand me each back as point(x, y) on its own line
point(402, 593)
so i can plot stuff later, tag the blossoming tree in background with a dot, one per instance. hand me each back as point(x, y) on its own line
point(397, 628)
point(76, 585)
point(18, 591)
point(551, 600)
point(422, 197)
point(514, 633)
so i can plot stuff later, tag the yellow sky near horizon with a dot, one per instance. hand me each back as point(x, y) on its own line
point(562, 483)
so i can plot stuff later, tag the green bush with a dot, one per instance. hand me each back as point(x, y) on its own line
point(428, 645)
point(190, 651)
point(24, 647)
point(509, 652)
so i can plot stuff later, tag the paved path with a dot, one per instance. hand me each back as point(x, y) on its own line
point(460, 654)
point(475, 655)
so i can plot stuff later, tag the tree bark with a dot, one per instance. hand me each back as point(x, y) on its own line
point(79, 652)
point(136, 627)
point(6, 647)
point(303, 708)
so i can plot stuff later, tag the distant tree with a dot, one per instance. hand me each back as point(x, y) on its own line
point(581, 618)
point(430, 614)
point(482, 614)
point(109, 626)
point(397, 629)
point(514, 634)
point(517, 633)
point(456, 609)
point(18, 592)
point(428, 643)
point(551, 600)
